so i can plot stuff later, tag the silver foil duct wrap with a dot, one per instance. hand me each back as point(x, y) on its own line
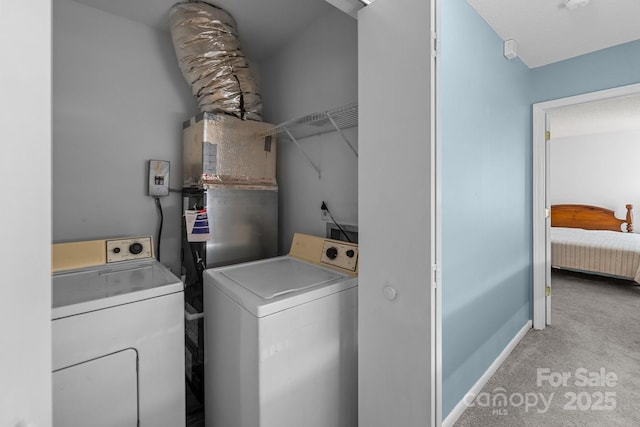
point(208, 50)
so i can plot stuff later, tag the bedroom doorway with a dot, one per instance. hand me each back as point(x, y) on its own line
point(542, 112)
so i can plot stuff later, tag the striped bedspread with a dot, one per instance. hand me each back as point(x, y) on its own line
point(596, 251)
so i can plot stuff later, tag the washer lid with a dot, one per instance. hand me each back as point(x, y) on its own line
point(79, 291)
point(275, 284)
point(279, 277)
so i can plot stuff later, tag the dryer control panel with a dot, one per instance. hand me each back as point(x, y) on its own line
point(75, 255)
point(129, 249)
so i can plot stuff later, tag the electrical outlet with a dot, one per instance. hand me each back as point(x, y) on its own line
point(324, 215)
point(158, 178)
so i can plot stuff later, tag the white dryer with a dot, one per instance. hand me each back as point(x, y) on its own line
point(117, 336)
point(281, 339)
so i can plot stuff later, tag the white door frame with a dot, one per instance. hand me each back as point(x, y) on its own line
point(540, 260)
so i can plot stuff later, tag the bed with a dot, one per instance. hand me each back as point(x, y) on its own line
point(590, 239)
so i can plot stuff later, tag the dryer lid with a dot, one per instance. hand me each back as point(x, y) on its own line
point(79, 291)
point(279, 277)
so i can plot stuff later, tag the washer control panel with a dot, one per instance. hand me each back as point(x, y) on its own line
point(335, 254)
point(340, 255)
point(129, 249)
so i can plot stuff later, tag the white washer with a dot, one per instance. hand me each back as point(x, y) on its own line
point(117, 336)
point(281, 339)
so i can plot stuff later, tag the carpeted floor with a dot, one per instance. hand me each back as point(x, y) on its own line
point(583, 370)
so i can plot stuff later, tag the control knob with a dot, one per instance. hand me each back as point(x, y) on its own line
point(332, 253)
point(135, 248)
point(350, 253)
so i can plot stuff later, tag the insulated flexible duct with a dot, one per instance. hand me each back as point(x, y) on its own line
point(208, 50)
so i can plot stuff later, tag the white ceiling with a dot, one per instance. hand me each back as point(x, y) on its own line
point(263, 25)
point(546, 31)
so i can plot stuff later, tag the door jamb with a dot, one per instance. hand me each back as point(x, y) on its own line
point(540, 266)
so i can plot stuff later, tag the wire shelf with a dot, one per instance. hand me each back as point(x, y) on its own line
point(334, 120)
point(314, 124)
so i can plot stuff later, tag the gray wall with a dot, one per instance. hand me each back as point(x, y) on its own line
point(119, 100)
point(316, 71)
point(25, 224)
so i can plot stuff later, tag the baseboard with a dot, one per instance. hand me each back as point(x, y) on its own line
point(477, 387)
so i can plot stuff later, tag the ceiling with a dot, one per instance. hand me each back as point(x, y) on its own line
point(264, 26)
point(546, 31)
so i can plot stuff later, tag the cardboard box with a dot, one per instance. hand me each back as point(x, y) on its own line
point(219, 149)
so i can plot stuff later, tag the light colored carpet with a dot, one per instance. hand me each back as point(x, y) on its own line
point(594, 342)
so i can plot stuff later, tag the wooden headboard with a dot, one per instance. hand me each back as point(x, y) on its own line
point(589, 218)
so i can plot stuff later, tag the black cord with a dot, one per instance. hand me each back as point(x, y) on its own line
point(159, 206)
point(325, 208)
